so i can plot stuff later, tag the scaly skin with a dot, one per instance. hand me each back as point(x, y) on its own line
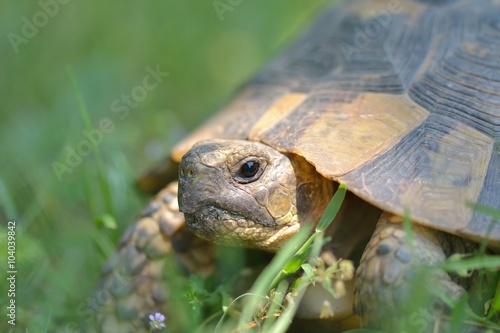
point(227, 201)
point(261, 211)
point(130, 288)
point(394, 293)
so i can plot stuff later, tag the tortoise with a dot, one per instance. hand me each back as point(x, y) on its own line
point(398, 100)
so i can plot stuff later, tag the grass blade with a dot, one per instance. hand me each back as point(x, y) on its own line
point(495, 213)
point(458, 314)
point(106, 192)
point(6, 201)
point(332, 209)
point(263, 282)
point(408, 227)
point(280, 293)
point(495, 304)
point(478, 262)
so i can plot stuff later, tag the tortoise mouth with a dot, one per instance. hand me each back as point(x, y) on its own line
point(220, 226)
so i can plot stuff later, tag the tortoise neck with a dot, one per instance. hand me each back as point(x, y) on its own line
point(313, 191)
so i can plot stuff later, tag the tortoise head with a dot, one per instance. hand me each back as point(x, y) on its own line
point(246, 193)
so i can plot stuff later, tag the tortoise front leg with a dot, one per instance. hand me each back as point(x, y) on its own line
point(131, 285)
point(392, 290)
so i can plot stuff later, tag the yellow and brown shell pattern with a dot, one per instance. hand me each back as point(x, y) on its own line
point(399, 100)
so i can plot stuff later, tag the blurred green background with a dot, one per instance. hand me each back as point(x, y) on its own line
point(63, 235)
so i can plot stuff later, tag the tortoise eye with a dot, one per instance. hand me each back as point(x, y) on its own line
point(249, 169)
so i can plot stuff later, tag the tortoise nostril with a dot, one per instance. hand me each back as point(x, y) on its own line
point(186, 172)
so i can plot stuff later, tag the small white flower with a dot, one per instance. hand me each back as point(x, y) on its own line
point(157, 321)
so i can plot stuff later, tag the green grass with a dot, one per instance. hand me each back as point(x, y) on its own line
point(66, 229)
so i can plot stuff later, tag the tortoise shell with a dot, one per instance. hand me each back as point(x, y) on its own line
point(398, 100)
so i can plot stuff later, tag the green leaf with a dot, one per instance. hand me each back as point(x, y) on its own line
point(225, 297)
point(316, 247)
point(285, 319)
point(478, 262)
point(47, 322)
point(327, 284)
point(332, 209)
point(107, 221)
point(308, 270)
point(408, 227)
point(196, 293)
point(298, 282)
point(495, 213)
point(275, 305)
point(457, 257)
point(495, 305)
point(103, 183)
point(263, 283)
point(293, 265)
point(458, 314)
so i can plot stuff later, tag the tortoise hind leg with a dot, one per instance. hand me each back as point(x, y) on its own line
point(393, 292)
point(131, 288)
